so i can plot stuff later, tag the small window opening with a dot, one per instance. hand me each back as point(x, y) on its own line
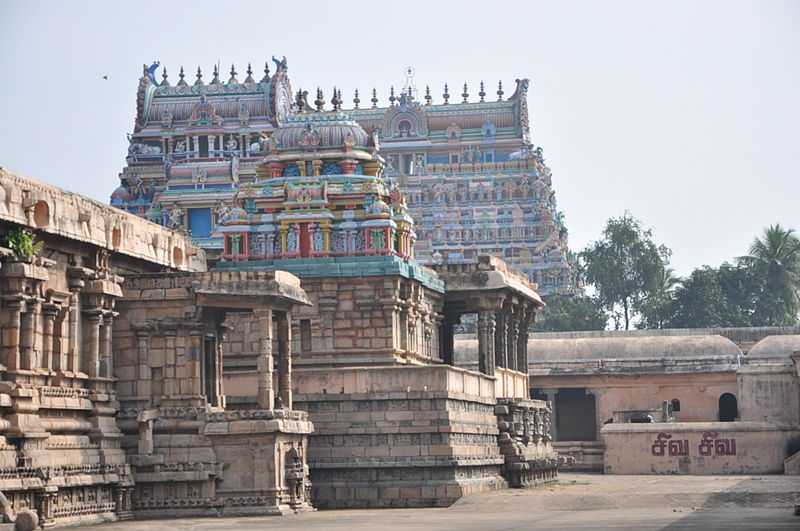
point(675, 404)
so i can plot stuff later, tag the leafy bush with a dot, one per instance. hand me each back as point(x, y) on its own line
point(23, 244)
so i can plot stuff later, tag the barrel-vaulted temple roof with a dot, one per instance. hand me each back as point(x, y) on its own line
point(48, 209)
point(631, 348)
point(624, 355)
point(778, 347)
point(227, 103)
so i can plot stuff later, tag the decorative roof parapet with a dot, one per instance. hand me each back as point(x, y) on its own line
point(51, 210)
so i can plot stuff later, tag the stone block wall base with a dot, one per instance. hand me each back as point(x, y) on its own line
point(84, 519)
point(230, 510)
point(409, 492)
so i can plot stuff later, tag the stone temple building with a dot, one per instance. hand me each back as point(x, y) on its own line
point(473, 181)
point(112, 402)
point(396, 423)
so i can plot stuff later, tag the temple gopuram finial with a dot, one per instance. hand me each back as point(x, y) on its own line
point(374, 99)
point(428, 97)
point(482, 93)
point(249, 78)
point(266, 72)
point(199, 80)
point(302, 101)
point(164, 80)
point(356, 101)
point(319, 102)
point(181, 75)
point(337, 105)
point(392, 99)
point(233, 80)
point(446, 94)
point(465, 94)
point(215, 79)
point(500, 91)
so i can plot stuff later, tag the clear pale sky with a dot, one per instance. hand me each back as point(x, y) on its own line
point(686, 114)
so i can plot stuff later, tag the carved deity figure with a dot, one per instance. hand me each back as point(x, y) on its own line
point(318, 240)
point(231, 144)
point(175, 217)
point(291, 240)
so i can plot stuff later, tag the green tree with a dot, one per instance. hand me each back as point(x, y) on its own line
point(658, 305)
point(624, 267)
point(774, 261)
point(712, 297)
point(567, 313)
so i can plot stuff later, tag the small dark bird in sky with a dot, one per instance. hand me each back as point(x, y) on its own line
point(105, 77)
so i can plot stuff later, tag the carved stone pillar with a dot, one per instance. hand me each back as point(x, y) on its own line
point(73, 355)
point(551, 399)
point(11, 333)
point(522, 342)
point(106, 356)
point(486, 331)
point(49, 314)
point(501, 349)
point(447, 338)
point(513, 338)
point(91, 342)
point(28, 324)
point(263, 327)
point(285, 359)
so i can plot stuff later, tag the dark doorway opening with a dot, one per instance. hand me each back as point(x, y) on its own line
point(576, 415)
point(203, 146)
point(210, 370)
point(728, 408)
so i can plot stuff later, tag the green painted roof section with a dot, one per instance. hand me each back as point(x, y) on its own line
point(343, 267)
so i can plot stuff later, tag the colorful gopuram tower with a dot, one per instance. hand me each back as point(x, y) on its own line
point(474, 181)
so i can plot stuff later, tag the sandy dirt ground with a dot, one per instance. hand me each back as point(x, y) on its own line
point(578, 501)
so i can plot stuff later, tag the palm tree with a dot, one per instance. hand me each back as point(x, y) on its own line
point(658, 302)
point(775, 262)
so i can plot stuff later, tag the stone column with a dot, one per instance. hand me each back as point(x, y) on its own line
point(551, 397)
point(285, 359)
point(28, 324)
point(522, 350)
point(447, 339)
point(106, 352)
point(513, 338)
point(91, 342)
point(263, 326)
point(486, 331)
point(501, 349)
point(11, 333)
point(49, 314)
point(73, 357)
point(196, 146)
point(522, 341)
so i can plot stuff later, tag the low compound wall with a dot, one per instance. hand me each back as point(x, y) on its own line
point(697, 448)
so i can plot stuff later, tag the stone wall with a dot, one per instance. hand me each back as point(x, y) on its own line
point(401, 436)
point(352, 321)
point(698, 448)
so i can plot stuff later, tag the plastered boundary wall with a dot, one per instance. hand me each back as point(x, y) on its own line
point(727, 448)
